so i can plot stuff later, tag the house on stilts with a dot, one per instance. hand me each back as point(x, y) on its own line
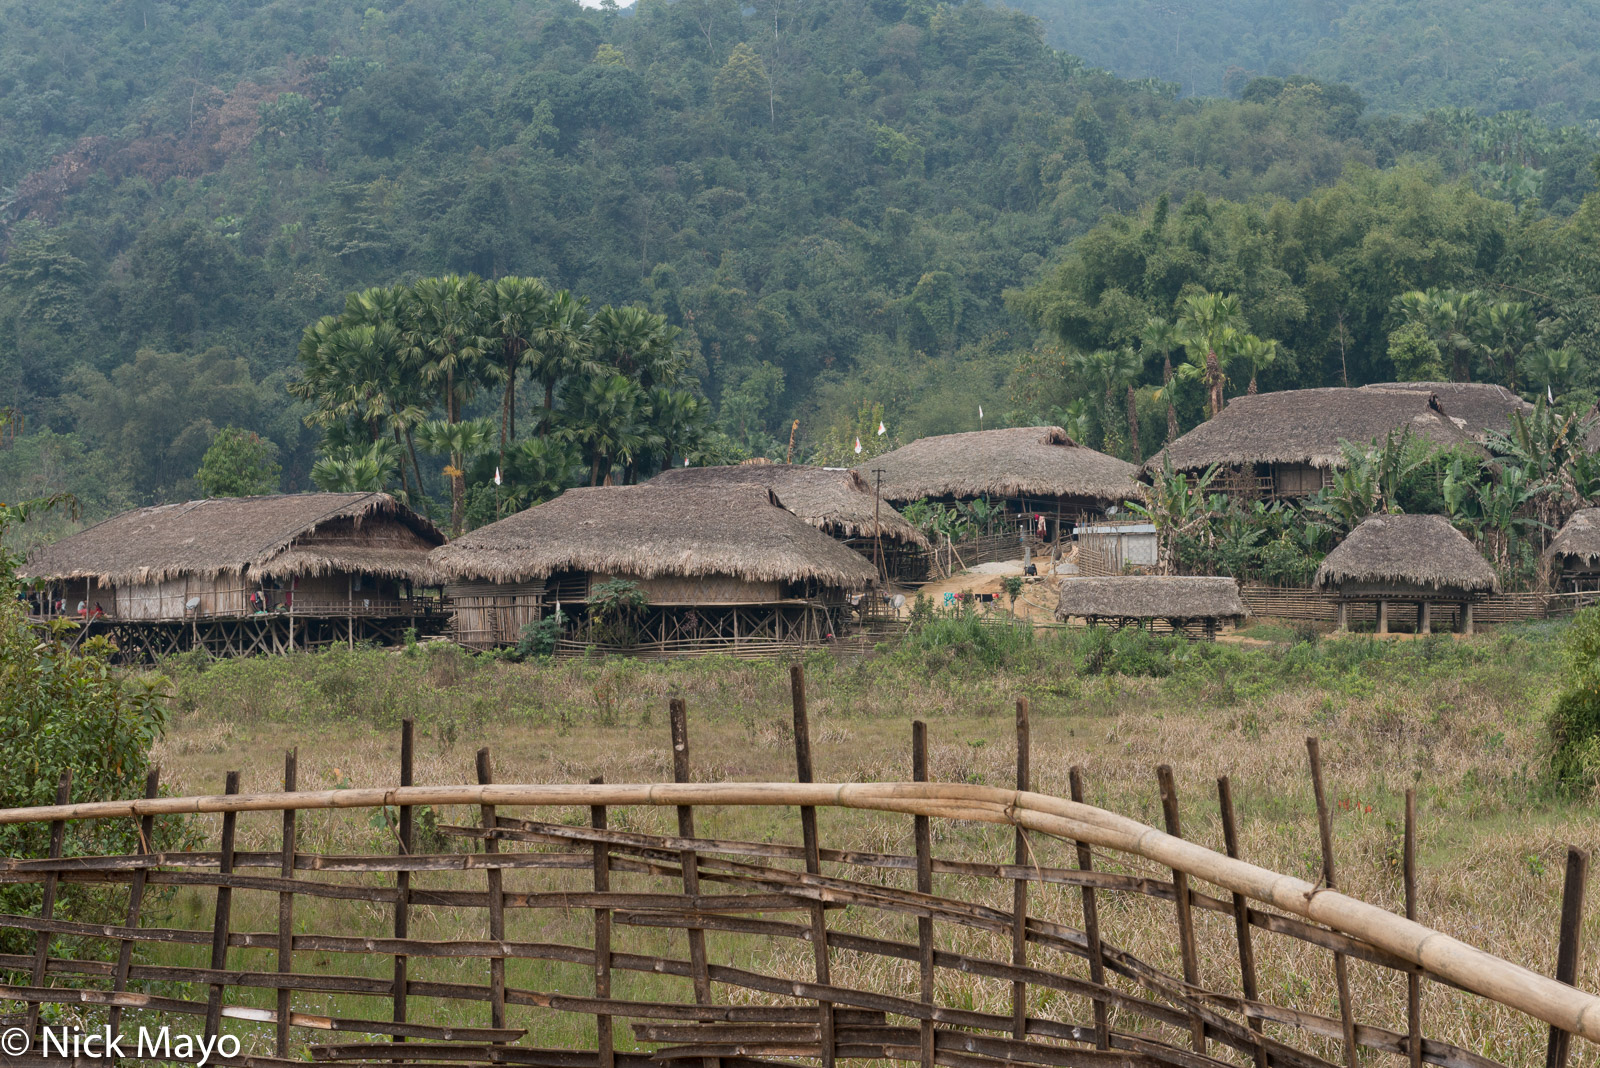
point(836, 501)
point(1193, 606)
point(1419, 561)
point(1574, 553)
point(721, 568)
point(240, 575)
point(1286, 445)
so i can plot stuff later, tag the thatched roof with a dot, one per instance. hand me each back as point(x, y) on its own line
point(1408, 550)
point(1579, 537)
point(1151, 597)
point(1475, 407)
point(835, 501)
point(737, 529)
point(274, 535)
point(1029, 461)
point(1305, 426)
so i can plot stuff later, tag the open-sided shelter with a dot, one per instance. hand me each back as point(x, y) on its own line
point(836, 501)
point(1574, 553)
point(1411, 559)
point(1476, 407)
point(721, 567)
point(1286, 444)
point(1196, 606)
point(245, 574)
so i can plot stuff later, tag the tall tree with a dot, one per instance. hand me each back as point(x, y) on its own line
point(519, 309)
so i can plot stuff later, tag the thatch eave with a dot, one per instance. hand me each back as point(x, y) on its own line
point(1421, 552)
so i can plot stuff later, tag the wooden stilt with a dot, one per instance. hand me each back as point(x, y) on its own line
point(1425, 617)
point(1383, 617)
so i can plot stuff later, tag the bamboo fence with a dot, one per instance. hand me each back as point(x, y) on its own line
point(1076, 997)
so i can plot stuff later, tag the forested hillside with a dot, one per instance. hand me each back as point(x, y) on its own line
point(1486, 55)
point(830, 201)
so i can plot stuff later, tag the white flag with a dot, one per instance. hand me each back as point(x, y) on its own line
point(882, 430)
point(686, 461)
point(497, 476)
point(980, 411)
point(858, 446)
point(1549, 393)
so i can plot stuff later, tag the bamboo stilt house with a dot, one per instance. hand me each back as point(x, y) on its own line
point(1030, 471)
point(1574, 553)
point(1475, 407)
point(1420, 560)
point(837, 502)
point(719, 566)
point(186, 573)
point(1195, 606)
point(1287, 444)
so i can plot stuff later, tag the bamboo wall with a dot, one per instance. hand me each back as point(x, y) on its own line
point(699, 589)
point(1288, 602)
point(487, 614)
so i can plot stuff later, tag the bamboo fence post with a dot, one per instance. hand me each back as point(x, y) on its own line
point(291, 776)
point(1571, 946)
point(923, 833)
point(497, 902)
point(1241, 915)
point(1341, 973)
point(804, 772)
point(224, 913)
point(1413, 980)
point(1185, 905)
point(152, 787)
point(699, 972)
point(1091, 923)
point(402, 879)
point(1019, 887)
point(604, 1042)
point(47, 909)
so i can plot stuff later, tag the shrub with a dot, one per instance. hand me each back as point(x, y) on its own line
point(539, 637)
point(1574, 722)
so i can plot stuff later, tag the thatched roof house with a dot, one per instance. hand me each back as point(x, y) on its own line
point(275, 536)
point(1151, 597)
point(738, 531)
point(1407, 553)
point(1575, 550)
point(1475, 407)
point(837, 502)
point(1284, 444)
point(1037, 464)
point(154, 561)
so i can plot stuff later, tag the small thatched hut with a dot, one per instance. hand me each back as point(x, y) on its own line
point(1476, 407)
point(344, 559)
point(1574, 553)
point(837, 502)
point(1286, 445)
point(1029, 471)
point(1193, 606)
point(1417, 559)
point(719, 566)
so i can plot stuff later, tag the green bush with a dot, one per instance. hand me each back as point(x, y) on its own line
point(1574, 722)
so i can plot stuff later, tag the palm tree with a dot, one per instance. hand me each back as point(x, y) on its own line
point(681, 420)
point(1258, 353)
point(1109, 370)
point(1448, 315)
point(1510, 331)
point(561, 347)
point(1162, 336)
point(638, 343)
point(608, 422)
point(1210, 325)
point(459, 441)
point(518, 309)
point(445, 326)
point(348, 470)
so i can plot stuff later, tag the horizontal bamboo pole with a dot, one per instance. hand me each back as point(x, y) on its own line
point(1466, 966)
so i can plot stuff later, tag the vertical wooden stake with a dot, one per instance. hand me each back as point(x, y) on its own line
point(1091, 925)
point(602, 936)
point(808, 833)
point(147, 827)
point(1413, 979)
point(1180, 890)
point(219, 927)
point(687, 859)
point(923, 833)
point(41, 953)
point(1341, 974)
point(497, 902)
point(1241, 915)
point(1571, 946)
point(291, 775)
point(1019, 887)
point(402, 879)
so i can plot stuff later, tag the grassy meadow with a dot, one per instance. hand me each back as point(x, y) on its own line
point(1461, 720)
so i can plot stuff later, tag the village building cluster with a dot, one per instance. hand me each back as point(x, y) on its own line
point(765, 557)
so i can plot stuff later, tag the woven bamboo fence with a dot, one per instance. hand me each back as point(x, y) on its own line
point(1076, 996)
point(1295, 602)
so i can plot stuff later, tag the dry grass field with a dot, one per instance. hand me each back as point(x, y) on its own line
point(1461, 721)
